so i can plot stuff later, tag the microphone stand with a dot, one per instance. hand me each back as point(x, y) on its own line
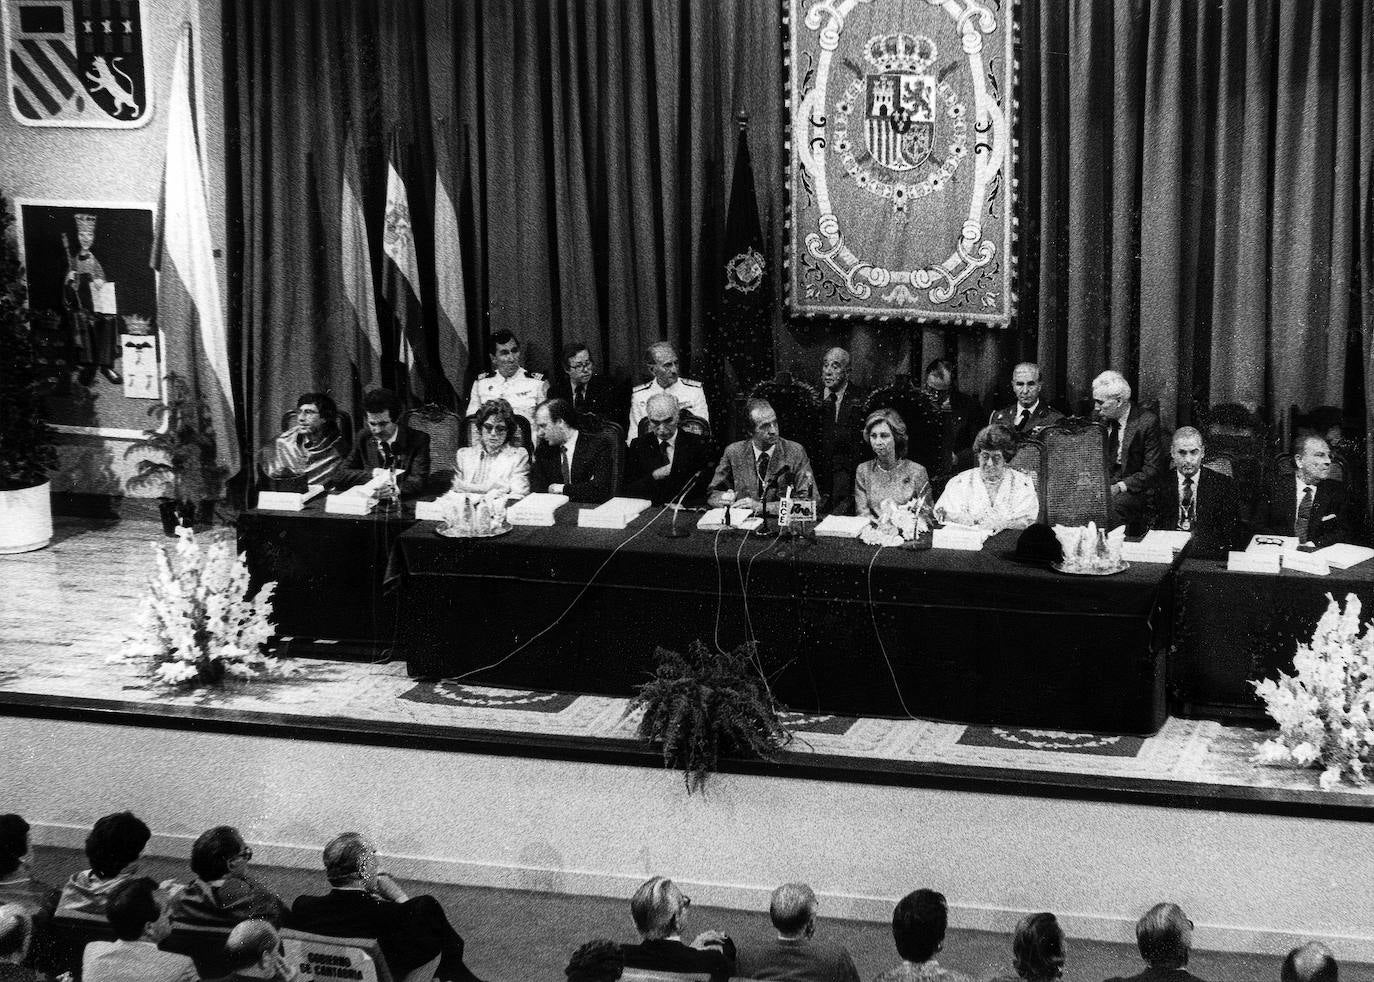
point(674, 532)
point(768, 529)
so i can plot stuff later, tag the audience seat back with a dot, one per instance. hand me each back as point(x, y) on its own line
point(318, 956)
point(649, 975)
point(69, 932)
point(203, 944)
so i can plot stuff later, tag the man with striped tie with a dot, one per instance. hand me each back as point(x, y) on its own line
point(1194, 499)
point(1307, 503)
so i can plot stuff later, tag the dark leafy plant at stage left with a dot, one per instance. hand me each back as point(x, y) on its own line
point(706, 705)
point(26, 448)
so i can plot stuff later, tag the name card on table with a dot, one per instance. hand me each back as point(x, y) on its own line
point(354, 501)
point(536, 509)
point(1305, 562)
point(1266, 561)
point(963, 538)
point(1147, 552)
point(614, 514)
point(429, 511)
point(289, 500)
point(740, 518)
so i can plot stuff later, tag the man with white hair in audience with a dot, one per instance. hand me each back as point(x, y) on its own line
point(253, 950)
point(1134, 453)
point(1312, 962)
point(659, 910)
point(797, 955)
point(1164, 936)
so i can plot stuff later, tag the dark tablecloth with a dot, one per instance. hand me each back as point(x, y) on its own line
point(964, 636)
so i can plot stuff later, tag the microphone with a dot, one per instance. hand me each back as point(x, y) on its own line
point(676, 505)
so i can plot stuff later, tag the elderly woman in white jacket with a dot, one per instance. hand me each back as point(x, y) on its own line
point(992, 496)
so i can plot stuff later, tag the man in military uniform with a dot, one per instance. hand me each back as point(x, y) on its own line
point(1030, 413)
point(661, 360)
point(508, 380)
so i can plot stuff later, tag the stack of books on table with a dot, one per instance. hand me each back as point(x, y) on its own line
point(354, 501)
point(289, 500)
point(841, 526)
point(535, 509)
point(614, 514)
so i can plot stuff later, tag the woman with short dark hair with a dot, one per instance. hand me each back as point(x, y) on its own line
point(993, 495)
point(918, 930)
point(113, 848)
point(496, 462)
point(1037, 950)
point(18, 885)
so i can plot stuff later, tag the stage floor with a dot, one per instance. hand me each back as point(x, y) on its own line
point(71, 606)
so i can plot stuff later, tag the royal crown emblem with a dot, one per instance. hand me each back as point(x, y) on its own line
point(745, 271)
point(900, 100)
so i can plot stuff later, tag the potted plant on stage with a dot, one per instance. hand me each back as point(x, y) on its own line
point(178, 456)
point(26, 450)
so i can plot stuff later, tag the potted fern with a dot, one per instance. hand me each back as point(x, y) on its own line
point(178, 456)
point(26, 450)
point(709, 704)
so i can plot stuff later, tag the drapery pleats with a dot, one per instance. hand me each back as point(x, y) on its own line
point(1194, 188)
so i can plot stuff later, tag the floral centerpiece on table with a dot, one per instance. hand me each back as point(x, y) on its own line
point(1325, 709)
point(898, 524)
point(198, 623)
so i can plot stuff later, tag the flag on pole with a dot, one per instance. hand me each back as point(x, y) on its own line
point(190, 310)
point(401, 281)
point(356, 263)
point(448, 273)
point(740, 333)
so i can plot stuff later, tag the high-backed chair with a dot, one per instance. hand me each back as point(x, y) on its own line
point(445, 428)
point(592, 423)
point(798, 407)
point(924, 431)
point(1077, 481)
point(1029, 459)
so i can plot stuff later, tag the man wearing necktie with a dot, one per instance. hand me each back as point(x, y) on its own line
point(1134, 455)
point(755, 471)
point(841, 431)
point(1030, 413)
point(661, 463)
point(1307, 503)
point(588, 390)
point(1195, 499)
point(568, 460)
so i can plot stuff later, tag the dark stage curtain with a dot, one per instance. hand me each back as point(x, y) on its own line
point(1194, 181)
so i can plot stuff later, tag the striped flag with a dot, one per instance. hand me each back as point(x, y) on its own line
point(401, 281)
point(448, 272)
point(356, 262)
point(188, 300)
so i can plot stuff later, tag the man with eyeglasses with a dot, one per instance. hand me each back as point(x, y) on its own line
point(659, 910)
point(1135, 456)
point(667, 457)
point(588, 390)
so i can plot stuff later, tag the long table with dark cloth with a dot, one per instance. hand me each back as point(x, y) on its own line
point(1230, 628)
point(965, 636)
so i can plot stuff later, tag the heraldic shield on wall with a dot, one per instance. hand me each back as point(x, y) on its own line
point(79, 63)
point(900, 159)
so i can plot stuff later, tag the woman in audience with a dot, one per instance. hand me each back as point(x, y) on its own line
point(992, 496)
point(113, 848)
point(596, 961)
point(889, 476)
point(223, 892)
point(495, 464)
point(1037, 950)
point(17, 882)
point(918, 929)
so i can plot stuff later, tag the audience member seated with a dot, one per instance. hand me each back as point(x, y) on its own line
point(889, 476)
point(1134, 455)
point(659, 910)
point(596, 961)
point(660, 358)
point(313, 449)
point(141, 917)
point(1165, 937)
point(918, 929)
point(388, 446)
point(1030, 413)
point(1192, 498)
point(16, 932)
point(1307, 503)
point(753, 473)
point(993, 496)
point(588, 391)
point(796, 955)
point(365, 902)
point(113, 848)
point(842, 413)
point(1037, 950)
point(223, 893)
point(508, 379)
point(959, 410)
point(18, 885)
point(495, 464)
point(1312, 962)
point(569, 461)
point(667, 457)
point(253, 951)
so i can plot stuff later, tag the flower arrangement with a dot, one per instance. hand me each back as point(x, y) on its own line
point(198, 624)
point(898, 524)
point(1325, 709)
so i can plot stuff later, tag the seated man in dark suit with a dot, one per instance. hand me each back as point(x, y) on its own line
point(387, 446)
point(842, 442)
point(753, 473)
point(587, 391)
point(1307, 503)
point(667, 457)
point(365, 902)
point(1191, 498)
point(1030, 413)
point(1164, 936)
point(659, 910)
point(1134, 454)
point(1311, 962)
point(569, 461)
point(960, 415)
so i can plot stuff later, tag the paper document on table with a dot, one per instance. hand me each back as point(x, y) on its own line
point(1343, 555)
point(741, 518)
point(1166, 539)
point(1147, 552)
point(1305, 562)
point(967, 538)
point(1272, 543)
point(535, 509)
point(842, 526)
point(1260, 561)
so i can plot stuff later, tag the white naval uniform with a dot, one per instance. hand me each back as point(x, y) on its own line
point(523, 390)
point(688, 392)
